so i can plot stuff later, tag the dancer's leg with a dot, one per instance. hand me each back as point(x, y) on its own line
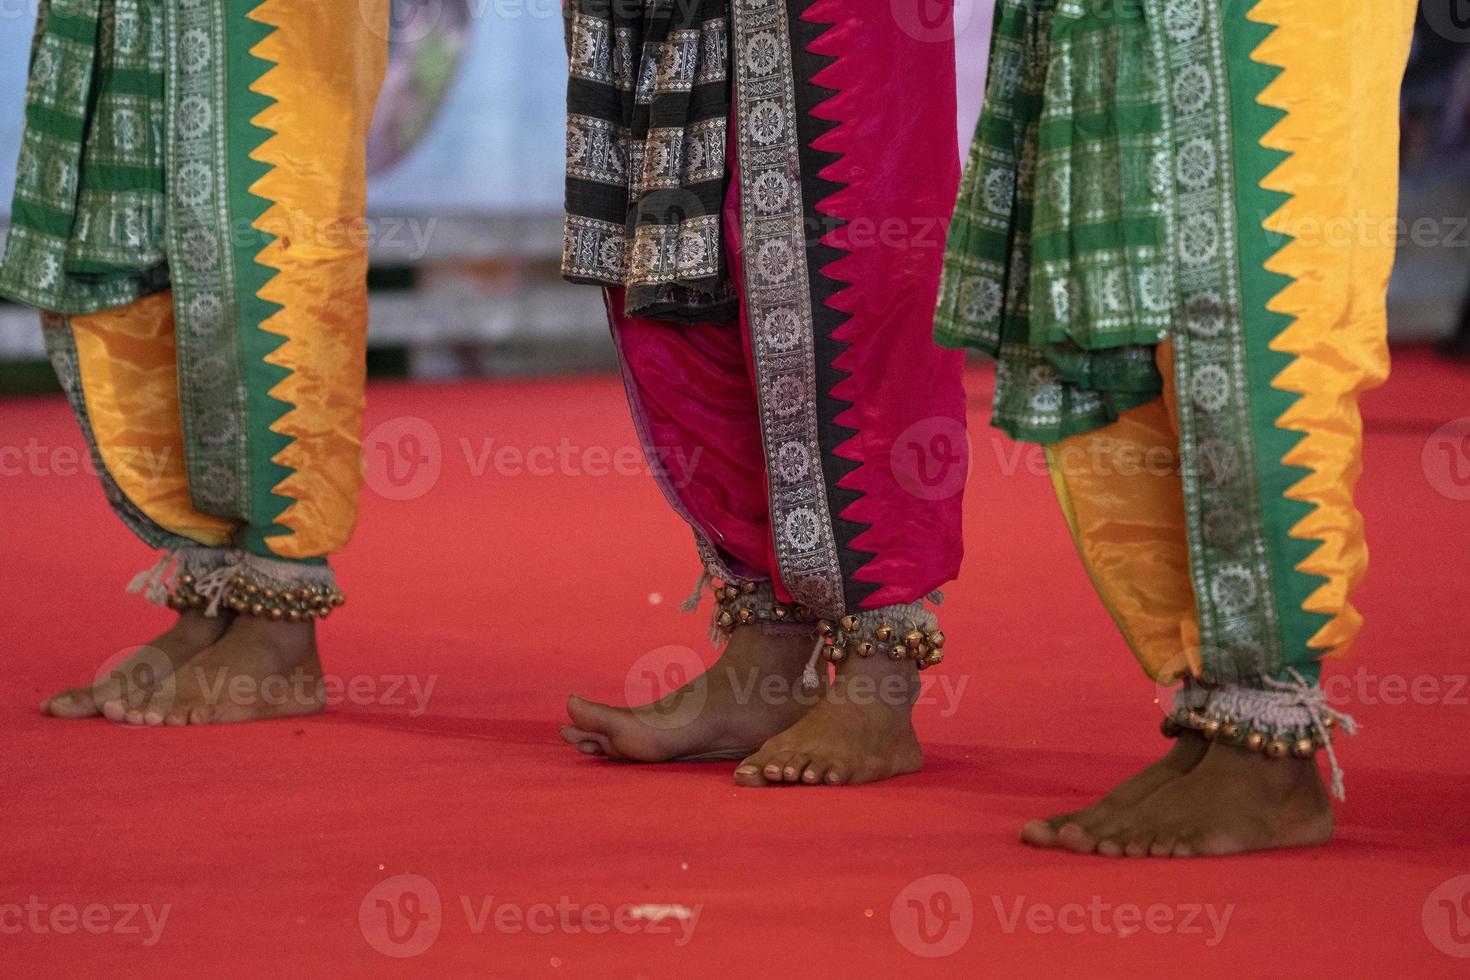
point(841, 215)
point(696, 415)
point(830, 427)
point(1229, 566)
point(117, 369)
point(86, 239)
point(266, 228)
point(219, 149)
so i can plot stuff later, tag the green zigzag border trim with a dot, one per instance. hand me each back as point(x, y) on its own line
point(1254, 163)
point(264, 410)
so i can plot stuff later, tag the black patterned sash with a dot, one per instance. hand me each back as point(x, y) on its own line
point(648, 106)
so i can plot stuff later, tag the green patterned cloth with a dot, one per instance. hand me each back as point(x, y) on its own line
point(1058, 263)
point(87, 227)
point(1116, 197)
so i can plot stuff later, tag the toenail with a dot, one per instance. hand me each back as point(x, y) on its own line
point(747, 770)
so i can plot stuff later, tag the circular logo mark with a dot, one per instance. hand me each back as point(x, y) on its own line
point(402, 458)
point(933, 917)
point(933, 21)
point(1446, 917)
point(401, 916)
point(141, 676)
point(407, 21)
point(1446, 459)
point(661, 679)
point(931, 458)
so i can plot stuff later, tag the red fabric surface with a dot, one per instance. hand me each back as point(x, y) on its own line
point(509, 589)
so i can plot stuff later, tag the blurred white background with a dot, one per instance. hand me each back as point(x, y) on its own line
point(467, 186)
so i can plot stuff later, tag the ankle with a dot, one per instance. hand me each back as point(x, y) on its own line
point(1279, 777)
point(1188, 749)
point(896, 683)
point(289, 641)
point(753, 648)
point(195, 625)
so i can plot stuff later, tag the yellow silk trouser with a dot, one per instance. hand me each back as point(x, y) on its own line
point(314, 70)
point(1120, 486)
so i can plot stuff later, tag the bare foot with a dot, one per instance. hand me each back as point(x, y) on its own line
point(1187, 751)
point(753, 691)
point(1232, 802)
point(258, 670)
point(860, 731)
point(148, 666)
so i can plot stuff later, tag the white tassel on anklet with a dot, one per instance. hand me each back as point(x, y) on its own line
point(692, 603)
point(1313, 700)
point(156, 581)
point(810, 679)
point(159, 581)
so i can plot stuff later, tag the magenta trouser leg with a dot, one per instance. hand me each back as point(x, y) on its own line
point(819, 443)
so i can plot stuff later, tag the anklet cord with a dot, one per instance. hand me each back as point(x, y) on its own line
point(1277, 717)
point(810, 679)
point(210, 579)
point(1313, 700)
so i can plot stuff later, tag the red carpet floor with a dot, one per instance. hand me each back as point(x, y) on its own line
point(263, 845)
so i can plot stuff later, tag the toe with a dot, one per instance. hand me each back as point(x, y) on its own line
point(1040, 833)
point(794, 766)
point(116, 711)
point(774, 768)
point(572, 735)
point(202, 715)
point(1138, 847)
point(835, 777)
point(812, 775)
point(749, 774)
point(177, 717)
point(1109, 848)
point(1056, 823)
point(1183, 848)
point(1161, 847)
point(587, 742)
point(1075, 839)
point(589, 715)
point(72, 704)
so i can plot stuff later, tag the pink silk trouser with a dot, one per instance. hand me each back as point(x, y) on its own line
point(820, 443)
